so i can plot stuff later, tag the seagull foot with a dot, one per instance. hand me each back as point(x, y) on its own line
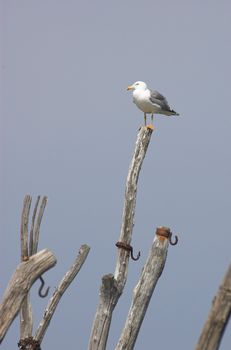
point(150, 126)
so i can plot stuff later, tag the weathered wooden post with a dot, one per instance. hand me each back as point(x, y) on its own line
point(113, 285)
point(218, 317)
point(32, 266)
point(143, 291)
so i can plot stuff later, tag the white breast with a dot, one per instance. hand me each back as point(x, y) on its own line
point(141, 99)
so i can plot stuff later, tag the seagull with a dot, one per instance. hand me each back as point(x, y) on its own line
point(150, 101)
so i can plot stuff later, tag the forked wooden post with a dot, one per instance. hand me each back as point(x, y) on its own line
point(29, 247)
point(24, 276)
point(112, 286)
point(218, 317)
point(33, 265)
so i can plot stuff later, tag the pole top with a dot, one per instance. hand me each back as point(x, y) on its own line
point(165, 232)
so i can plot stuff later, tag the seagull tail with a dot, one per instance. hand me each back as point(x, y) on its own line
point(174, 112)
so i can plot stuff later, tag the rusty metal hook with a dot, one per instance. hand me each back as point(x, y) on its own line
point(175, 241)
point(128, 248)
point(40, 293)
point(132, 256)
point(165, 232)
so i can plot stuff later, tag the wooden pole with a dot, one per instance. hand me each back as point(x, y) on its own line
point(23, 278)
point(29, 246)
point(26, 318)
point(63, 285)
point(33, 265)
point(218, 317)
point(112, 286)
point(143, 292)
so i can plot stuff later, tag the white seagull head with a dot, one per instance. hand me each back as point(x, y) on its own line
point(138, 85)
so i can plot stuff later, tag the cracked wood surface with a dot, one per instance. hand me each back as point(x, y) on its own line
point(23, 278)
point(112, 286)
point(142, 293)
point(218, 317)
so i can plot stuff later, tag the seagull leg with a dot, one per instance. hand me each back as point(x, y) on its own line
point(145, 119)
point(150, 126)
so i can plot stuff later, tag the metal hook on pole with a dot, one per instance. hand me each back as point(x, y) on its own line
point(133, 257)
point(128, 248)
point(166, 232)
point(175, 241)
point(40, 293)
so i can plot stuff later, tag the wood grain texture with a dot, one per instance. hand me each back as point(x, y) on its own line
point(26, 318)
point(23, 278)
point(218, 317)
point(112, 286)
point(143, 139)
point(29, 246)
point(143, 292)
point(63, 285)
point(24, 227)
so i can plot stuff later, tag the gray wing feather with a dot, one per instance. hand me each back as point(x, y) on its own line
point(157, 98)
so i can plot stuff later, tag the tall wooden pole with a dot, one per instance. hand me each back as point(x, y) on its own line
point(112, 286)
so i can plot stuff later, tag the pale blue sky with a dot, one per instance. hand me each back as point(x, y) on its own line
point(68, 129)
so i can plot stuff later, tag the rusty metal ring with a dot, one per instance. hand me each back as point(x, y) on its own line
point(128, 248)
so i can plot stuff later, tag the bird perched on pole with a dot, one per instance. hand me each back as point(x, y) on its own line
point(150, 102)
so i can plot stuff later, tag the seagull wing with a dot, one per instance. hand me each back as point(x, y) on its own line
point(157, 99)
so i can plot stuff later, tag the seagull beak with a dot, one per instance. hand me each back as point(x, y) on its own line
point(130, 87)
